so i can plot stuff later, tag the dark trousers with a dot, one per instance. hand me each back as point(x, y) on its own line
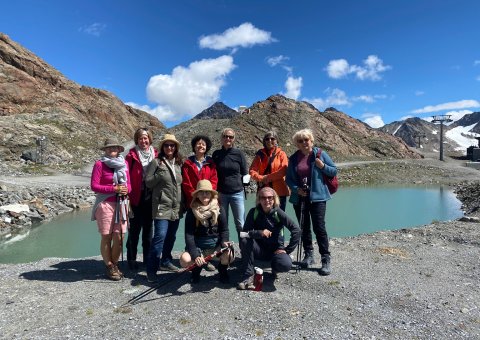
point(316, 212)
point(251, 250)
point(141, 222)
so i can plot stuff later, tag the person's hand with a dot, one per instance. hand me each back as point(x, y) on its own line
point(302, 192)
point(266, 233)
point(199, 261)
point(226, 244)
point(319, 163)
point(280, 251)
point(121, 189)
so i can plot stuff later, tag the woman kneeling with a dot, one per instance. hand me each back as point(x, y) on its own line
point(205, 231)
point(262, 237)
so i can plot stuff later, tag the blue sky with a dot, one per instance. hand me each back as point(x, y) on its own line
point(378, 61)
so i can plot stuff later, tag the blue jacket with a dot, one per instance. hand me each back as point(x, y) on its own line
point(318, 189)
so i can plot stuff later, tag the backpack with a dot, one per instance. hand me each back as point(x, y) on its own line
point(331, 182)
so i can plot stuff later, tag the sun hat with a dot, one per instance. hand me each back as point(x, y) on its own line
point(109, 142)
point(171, 138)
point(204, 185)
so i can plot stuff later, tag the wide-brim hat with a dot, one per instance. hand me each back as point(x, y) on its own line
point(204, 185)
point(110, 142)
point(168, 137)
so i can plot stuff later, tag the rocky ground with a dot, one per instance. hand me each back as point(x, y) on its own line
point(418, 283)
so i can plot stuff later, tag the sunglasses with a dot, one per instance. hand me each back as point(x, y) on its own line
point(266, 198)
point(142, 129)
point(300, 141)
point(168, 145)
point(228, 137)
point(269, 139)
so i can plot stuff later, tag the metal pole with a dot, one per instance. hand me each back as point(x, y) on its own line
point(441, 141)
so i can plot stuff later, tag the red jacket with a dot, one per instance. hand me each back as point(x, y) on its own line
point(136, 175)
point(191, 176)
point(278, 169)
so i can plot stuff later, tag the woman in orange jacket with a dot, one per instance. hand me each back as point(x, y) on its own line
point(269, 167)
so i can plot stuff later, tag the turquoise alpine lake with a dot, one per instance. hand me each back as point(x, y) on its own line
point(352, 211)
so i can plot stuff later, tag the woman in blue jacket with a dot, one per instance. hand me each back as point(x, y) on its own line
point(305, 171)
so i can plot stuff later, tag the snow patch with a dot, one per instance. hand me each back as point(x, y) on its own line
point(463, 137)
point(395, 132)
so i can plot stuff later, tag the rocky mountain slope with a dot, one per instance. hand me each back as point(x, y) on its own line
point(37, 100)
point(419, 133)
point(341, 135)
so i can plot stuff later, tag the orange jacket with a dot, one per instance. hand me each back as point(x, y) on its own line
point(276, 177)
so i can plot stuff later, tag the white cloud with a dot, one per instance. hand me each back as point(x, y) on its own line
point(456, 115)
point(461, 104)
point(419, 93)
point(294, 87)
point(188, 90)
point(364, 98)
point(371, 69)
point(95, 29)
point(245, 35)
point(278, 60)
point(335, 97)
point(373, 119)
point(338, 68)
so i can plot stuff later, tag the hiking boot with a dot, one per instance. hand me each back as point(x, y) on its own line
point(210, 267)
point(308, 260)
point(195, 278)
point(152, 277)
point(246, 284)
point(112, 273)
point(223, 273)
point(325, 270)
point(275, 275)
point(169, 267)
point(118, 270)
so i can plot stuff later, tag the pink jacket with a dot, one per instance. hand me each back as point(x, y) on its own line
point(102, 180)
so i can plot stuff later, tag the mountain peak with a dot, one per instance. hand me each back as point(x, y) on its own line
point(217, 111)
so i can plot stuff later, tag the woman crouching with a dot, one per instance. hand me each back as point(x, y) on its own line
point(205, 231)
point(262, 237)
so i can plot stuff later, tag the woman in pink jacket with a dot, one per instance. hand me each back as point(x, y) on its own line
point(111, 183)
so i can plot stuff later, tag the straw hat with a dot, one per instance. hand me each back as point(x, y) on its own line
point(109, 142)
point(169, 138)
point(204, 185)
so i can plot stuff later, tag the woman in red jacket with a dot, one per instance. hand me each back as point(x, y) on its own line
point(138, 159)
point(198, 166)
point(269, 167)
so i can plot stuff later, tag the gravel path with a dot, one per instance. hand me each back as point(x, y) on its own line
point(411, 284)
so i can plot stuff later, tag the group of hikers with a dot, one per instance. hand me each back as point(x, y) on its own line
point(151, 189)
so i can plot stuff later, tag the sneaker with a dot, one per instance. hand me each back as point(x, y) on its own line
point(210, 267)
point(112, 273)
point(169, 267)
point(152, 277)
point(246, 284)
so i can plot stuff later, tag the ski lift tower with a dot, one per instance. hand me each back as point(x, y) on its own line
point(441, 119)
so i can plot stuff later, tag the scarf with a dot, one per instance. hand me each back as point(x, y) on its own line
point(119, 168)
point(204, 213)
point(145, 157)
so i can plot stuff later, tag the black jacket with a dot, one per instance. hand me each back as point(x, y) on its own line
point(217, 232)
point(231, 167)
point(274, 221)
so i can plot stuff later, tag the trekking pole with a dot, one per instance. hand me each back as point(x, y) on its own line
point(207, 259)
point(302, 221)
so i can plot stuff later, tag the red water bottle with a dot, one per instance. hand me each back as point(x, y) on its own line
point(258, 279)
